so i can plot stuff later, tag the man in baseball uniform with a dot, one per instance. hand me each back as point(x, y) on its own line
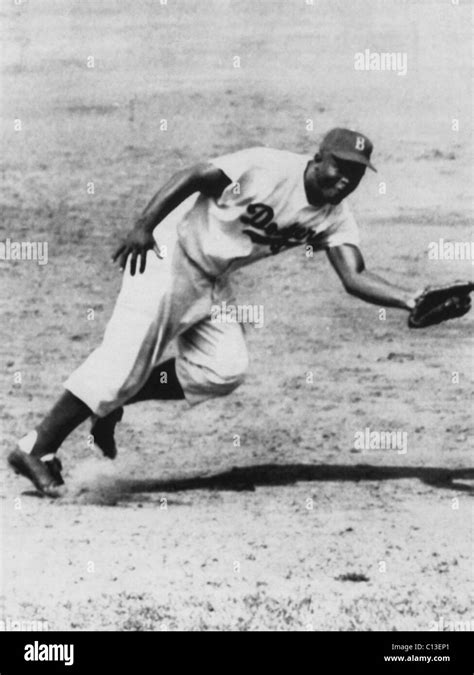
point(203, 224)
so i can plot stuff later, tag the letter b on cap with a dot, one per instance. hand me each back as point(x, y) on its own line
point(360, 143)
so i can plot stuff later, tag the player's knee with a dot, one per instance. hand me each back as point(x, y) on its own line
point(224, 377)
point(232, 371)
point(224, 386)
point(228, 385)
point(219, 378)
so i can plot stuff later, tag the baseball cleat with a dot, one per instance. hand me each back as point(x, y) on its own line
point(103, 431)
point(45, 475)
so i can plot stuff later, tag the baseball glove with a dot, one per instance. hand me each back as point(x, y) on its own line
point(440, 303)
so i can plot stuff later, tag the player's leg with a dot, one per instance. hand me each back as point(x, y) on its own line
point(69, 412)
point(163, 384)
point(65, 415)
point(114, 369)
point(34, 455)
point(212, 360)
point(151, 309)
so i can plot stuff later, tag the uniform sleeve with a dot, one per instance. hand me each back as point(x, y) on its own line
point(236, 164)
point(343, 229)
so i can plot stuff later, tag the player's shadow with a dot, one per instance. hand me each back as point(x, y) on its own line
point(265, 475)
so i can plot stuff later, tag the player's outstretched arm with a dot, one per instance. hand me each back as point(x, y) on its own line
point(203, 177)
point(349, 264)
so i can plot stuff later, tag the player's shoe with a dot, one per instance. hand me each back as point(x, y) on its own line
point(103, 431)
point(45, 475)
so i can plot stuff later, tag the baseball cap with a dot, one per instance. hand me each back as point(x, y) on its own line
point(349, 145)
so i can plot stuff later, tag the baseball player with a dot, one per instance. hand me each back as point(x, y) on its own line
point(177, 261)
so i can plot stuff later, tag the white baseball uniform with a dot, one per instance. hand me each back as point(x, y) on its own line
point(262, 212)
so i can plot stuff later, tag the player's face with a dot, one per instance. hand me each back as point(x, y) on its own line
point(328, 180)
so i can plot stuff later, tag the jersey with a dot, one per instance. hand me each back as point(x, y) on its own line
point(263, 211)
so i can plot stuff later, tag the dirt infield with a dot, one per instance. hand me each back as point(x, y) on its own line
point(255, 511)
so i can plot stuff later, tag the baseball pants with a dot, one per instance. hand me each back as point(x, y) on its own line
point(171, 299)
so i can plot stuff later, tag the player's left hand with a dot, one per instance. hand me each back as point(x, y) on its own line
point(136, 245)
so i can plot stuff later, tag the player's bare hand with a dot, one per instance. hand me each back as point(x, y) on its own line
point(136, 245)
